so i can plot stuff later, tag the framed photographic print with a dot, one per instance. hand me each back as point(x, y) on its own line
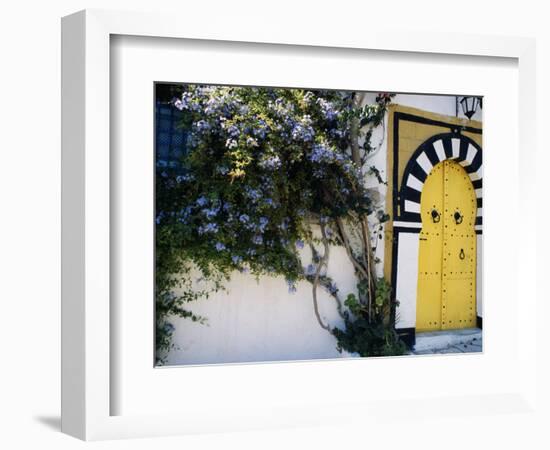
point(251, 224)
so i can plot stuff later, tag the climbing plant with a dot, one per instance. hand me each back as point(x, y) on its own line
point(264, 173)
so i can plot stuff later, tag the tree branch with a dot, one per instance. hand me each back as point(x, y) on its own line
point(368, 270)
point(356, 264)
point(354, 131)
point(315, 284)
point(325, 256)
point(370, 266)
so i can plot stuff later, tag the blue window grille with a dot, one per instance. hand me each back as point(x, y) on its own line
point(170, 136)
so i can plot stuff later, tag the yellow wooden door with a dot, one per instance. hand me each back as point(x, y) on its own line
point(446, 296)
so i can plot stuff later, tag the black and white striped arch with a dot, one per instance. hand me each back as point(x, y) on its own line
point(436, 149)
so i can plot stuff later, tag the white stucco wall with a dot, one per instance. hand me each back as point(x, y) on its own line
point(262, 321)
point(407, 269)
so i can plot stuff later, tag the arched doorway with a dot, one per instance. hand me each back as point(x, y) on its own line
point(420, 141)
point(446, 295)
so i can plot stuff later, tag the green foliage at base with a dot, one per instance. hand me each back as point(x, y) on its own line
point(369, 339)
point(370, 335)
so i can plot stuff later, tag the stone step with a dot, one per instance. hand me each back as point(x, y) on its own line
point(438, 340)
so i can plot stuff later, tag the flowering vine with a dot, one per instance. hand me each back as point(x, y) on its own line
point(266, 171)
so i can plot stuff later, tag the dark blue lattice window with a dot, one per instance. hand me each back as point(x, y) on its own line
point(170, 137)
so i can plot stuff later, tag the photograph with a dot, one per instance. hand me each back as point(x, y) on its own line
point(296, 223)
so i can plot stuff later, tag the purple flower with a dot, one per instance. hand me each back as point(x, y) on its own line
point(237, 259)
point(184, 177)
point(302, 132)
point(184, 214)
point(272, 163)
point(231, 143)
point(179, 104)
point(258, 239)
point(263, 223)
point(233, 131)
point(243, 218)
point(310, 269)
point(184, 102)
point(220, 246)
point(202, 125)
point(212, 212)
point(208, 228)
point(291, 286)
point(328, 109)
point(260, 132)
point(300, 244)
point(168, 328)
point(159, 217)
point(201, 201)
point(212, 105)
point(252, 194)
point(321, 154)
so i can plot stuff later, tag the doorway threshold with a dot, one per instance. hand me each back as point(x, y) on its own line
point(466, 340)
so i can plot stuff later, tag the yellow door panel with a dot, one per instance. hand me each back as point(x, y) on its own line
point(430, 252)
point(458, 308)
point(447, 254)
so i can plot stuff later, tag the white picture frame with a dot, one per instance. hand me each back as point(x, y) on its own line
point(87, 386)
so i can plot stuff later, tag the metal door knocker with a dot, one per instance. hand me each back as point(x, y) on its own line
point(461, 255)
point(436, 217)
point(458, 217)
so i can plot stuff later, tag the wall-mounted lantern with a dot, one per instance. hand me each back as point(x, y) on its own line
point(470, 105)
